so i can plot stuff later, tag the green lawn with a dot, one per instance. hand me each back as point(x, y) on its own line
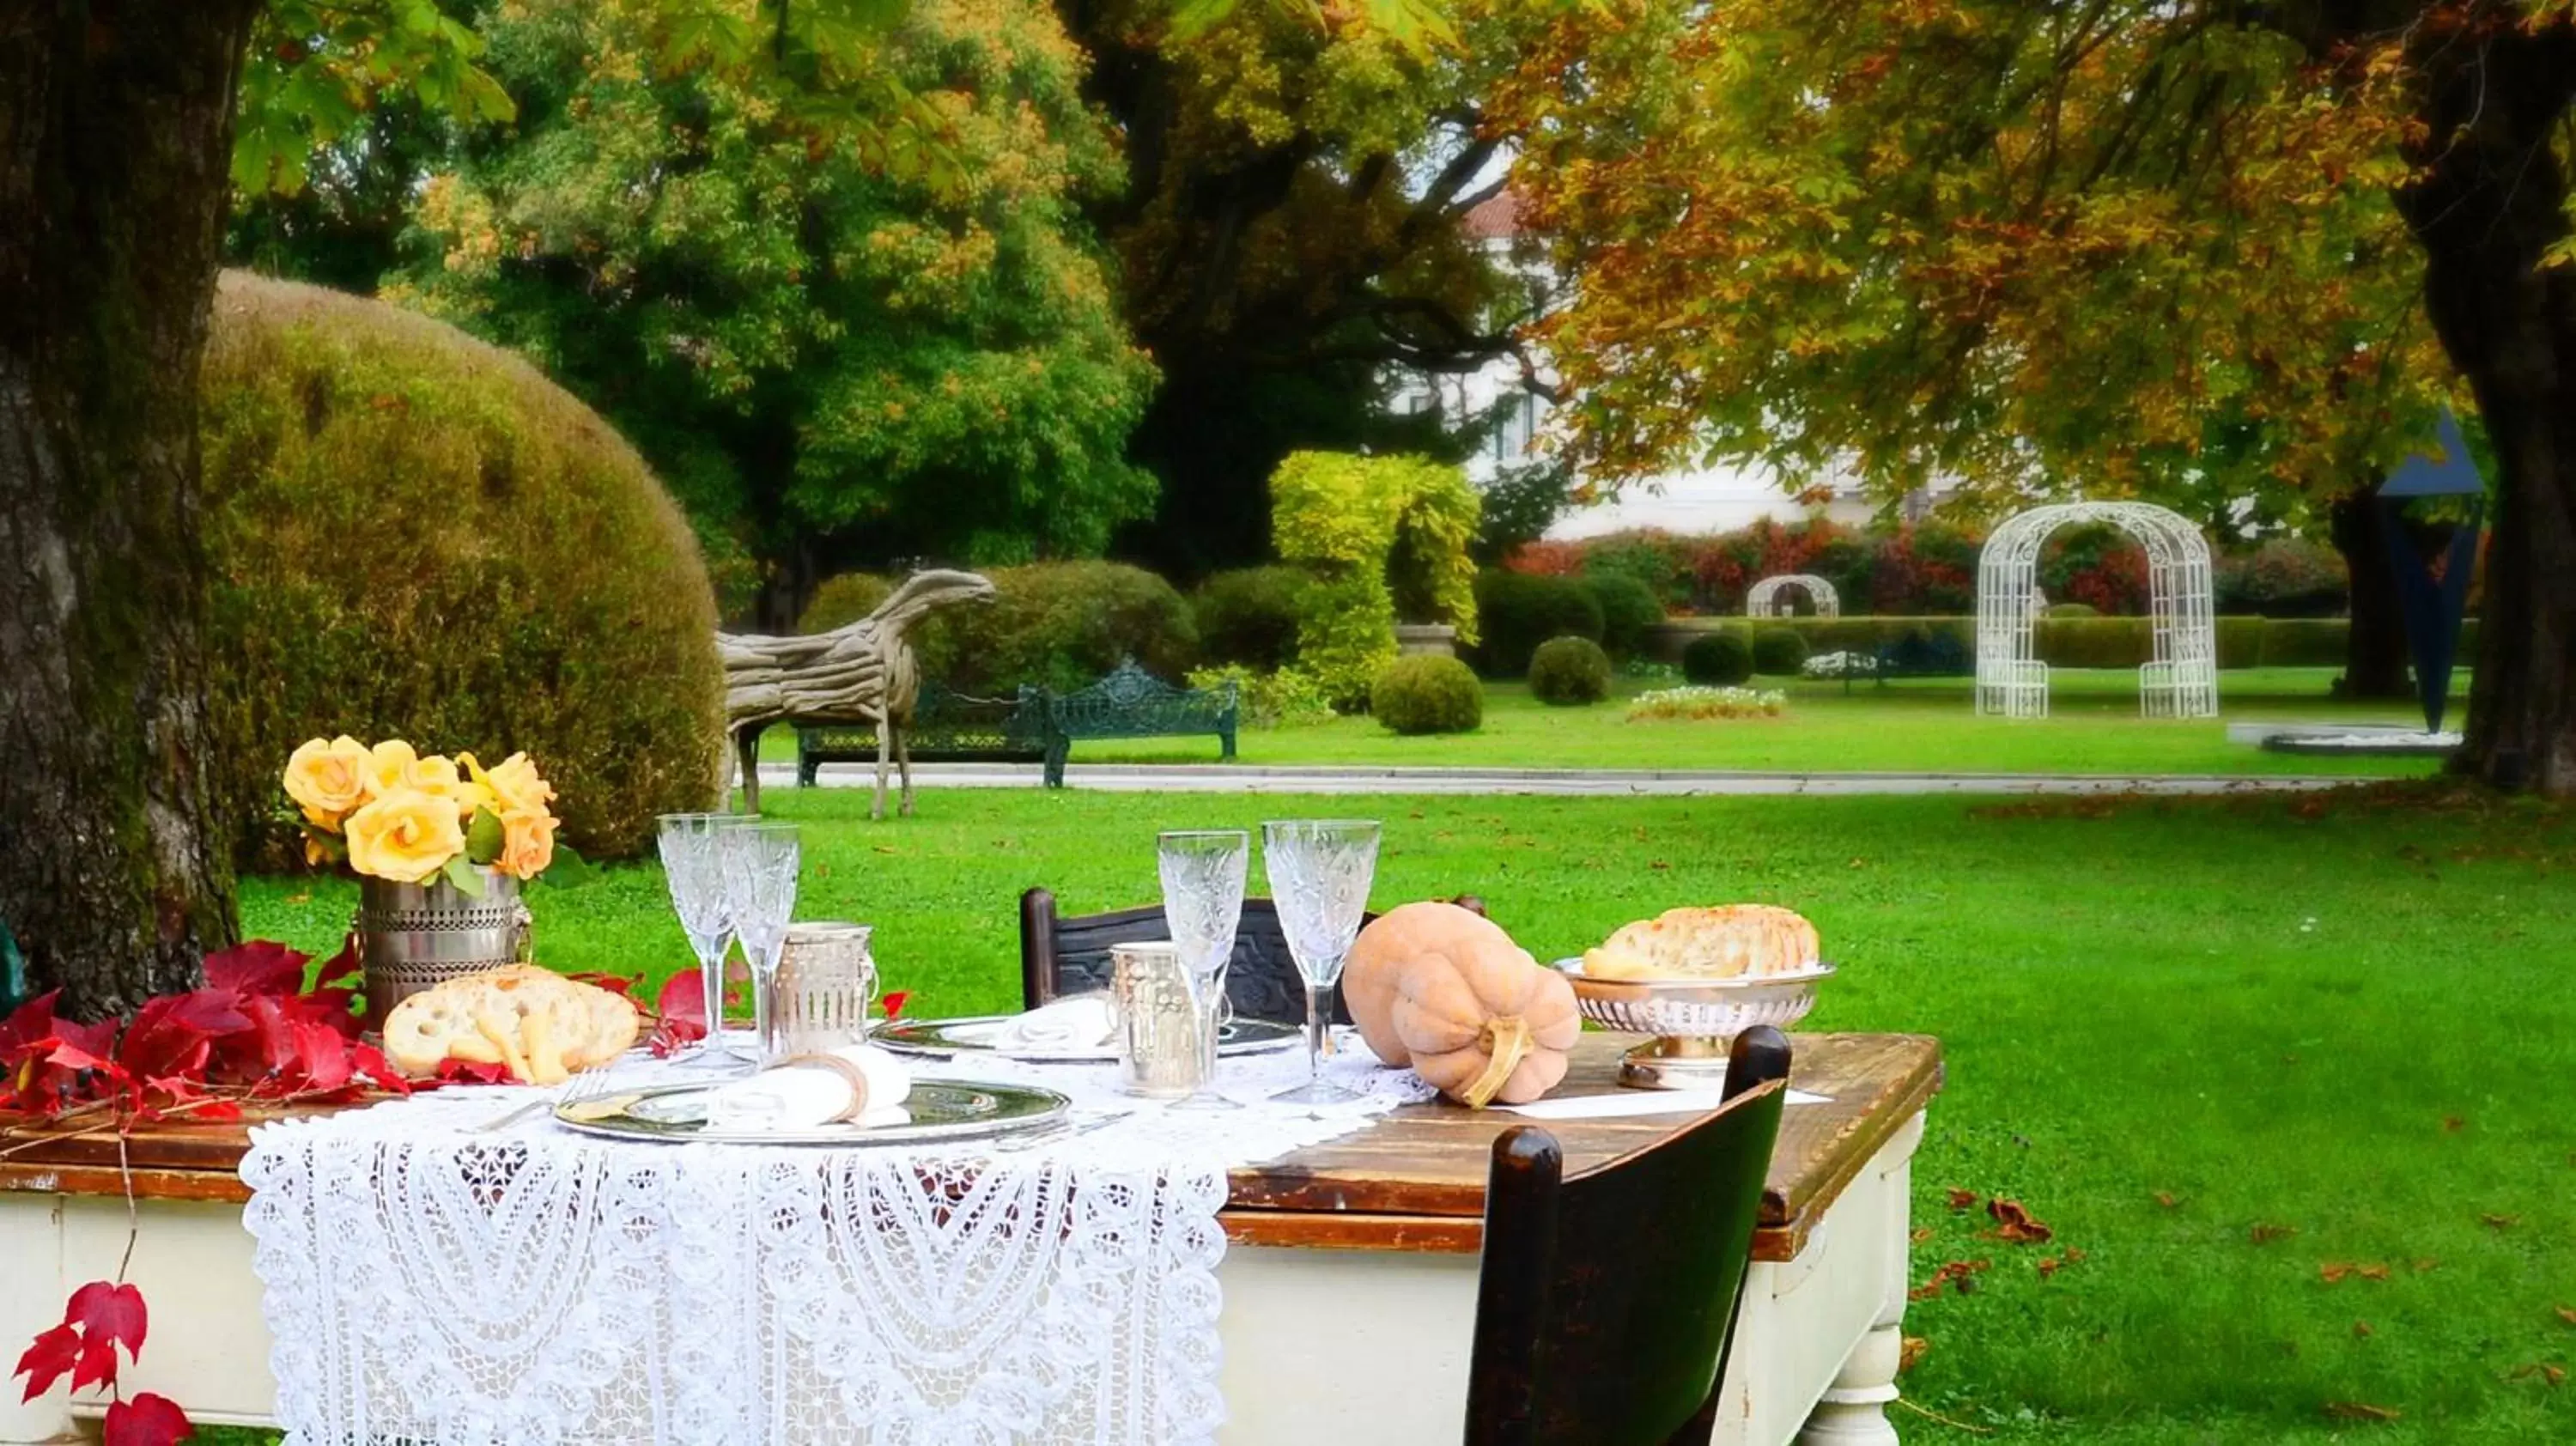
point(1925, 725)
point(2332, 1016)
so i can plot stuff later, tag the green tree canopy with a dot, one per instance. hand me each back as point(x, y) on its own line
point(846, 309)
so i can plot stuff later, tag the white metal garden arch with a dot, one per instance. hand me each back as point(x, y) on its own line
point(2180, 679)
point(1758, 602)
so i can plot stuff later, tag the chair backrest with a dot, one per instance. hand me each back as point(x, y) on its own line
point(1061, 956)
point(1607, 1302)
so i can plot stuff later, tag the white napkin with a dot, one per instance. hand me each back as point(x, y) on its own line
point(808, 1096)
point(1082, 1022)
point(1638, 1102)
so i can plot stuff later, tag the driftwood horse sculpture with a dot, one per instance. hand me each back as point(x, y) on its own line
point(862, 673)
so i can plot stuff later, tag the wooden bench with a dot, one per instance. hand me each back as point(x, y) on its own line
point(1132, 703)
point(946, 727)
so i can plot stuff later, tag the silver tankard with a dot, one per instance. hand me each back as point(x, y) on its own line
point(1158, 1021)
point(825, 984)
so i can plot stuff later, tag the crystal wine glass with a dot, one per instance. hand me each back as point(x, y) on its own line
point(1320, 870)
point(694, 868)
point(760, 864)
point(1203, 872)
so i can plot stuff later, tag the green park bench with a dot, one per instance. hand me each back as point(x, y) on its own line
point(1132, 703)
point(946, 728)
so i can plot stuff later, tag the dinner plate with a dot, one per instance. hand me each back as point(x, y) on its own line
point(941, 1109)
point(975, 1035)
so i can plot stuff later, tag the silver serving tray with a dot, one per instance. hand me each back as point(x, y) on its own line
point(942, 1109)
point(944, 1037)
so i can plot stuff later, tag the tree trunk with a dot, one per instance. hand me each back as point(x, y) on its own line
point(115, 140)
point(2490, 201)
point(2374, 662)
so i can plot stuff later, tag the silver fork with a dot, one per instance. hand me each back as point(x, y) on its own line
point(588, 1085)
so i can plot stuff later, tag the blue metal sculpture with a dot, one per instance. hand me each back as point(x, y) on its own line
point(2434, 597)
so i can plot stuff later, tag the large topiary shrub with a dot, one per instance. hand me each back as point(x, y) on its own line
point(1629, 611)
point(1428, 694)
point(416, 534)
point(1060, 625)
point(1517, 611)
point(1569, 672)
point(843, 600)
point(1779, 652)
point(1249, 616)
point(1718, 660)
point(1380, 537)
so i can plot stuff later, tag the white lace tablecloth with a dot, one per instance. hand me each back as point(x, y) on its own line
point(426, 1282)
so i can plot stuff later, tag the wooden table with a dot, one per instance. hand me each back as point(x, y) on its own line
point(1351, 1262)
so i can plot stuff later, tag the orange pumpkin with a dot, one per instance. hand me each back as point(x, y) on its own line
point(1390, 942)
point(1486, 1024)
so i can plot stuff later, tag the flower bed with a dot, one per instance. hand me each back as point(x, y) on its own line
point(1700, 703)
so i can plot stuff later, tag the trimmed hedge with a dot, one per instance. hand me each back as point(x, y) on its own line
point(1719, 659)
point(413, 534)
point(2240, 642)
point(1779, 652)
point(1249, 615)
point(1569, 672)
point(2063, 642)
point(2305, 642)
point(1060, 625)
point(1515, 612)
point(843, 600)
point(1629, 611)
point(1425, 693)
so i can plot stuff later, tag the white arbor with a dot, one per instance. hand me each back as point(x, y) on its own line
point(1759, 600)
point(2180, 680)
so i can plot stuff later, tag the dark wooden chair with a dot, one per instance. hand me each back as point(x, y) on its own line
point(1607, 1302)
point(1061, 956)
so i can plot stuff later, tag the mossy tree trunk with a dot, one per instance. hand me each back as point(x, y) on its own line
point(115, 134)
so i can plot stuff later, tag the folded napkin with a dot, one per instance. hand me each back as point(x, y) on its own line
point(1082, 1022)
point(805, 1095)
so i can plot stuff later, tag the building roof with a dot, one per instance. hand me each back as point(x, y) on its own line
point(1495, 218)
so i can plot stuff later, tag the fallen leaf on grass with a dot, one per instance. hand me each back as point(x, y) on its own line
point(2568, 1314)
point(2361, 1330)
point(2015, 1223)
point(2453, 1124)
point(2074, 1256)
point(2168, 1199)
point(2501, 1222)
point(1911, 1354)
point(2553, 1374)
point(2336, 1271)
point(1922, 1233)
point(1658, 864)
point(299, 898)
point(2422, 1266)
point(2265, 1234)
point(2359, 1411)
point(1962, 1199)
point(2048, 1266)
point(1956, 1273)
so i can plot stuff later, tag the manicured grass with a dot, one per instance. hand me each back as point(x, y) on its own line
point(1927, 725)
point(2335, 1016)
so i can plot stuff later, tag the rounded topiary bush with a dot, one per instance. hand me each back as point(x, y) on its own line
point(1060, 625)
point(1779, 652)
point(1428, 694)
point(1569, 672)
point(1628, 611)
point(414, 534)
point(1717, 659)
point(2073, 610)
point(1249, 615)
point(1517, 611)
point(843, 600)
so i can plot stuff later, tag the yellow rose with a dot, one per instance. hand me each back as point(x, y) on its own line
point(328, 779)
point(514, 782)
point(527, 842)
point(386, 763)
point(405, 835)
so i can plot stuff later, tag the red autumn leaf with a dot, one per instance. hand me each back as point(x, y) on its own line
point(621, 985)
point(462, 1071)
point(895, 999)
point(369, 1061)
point(44, 1363)
point(97, 1366)
point(1962, 1199)
point(219, 1112)
point(109, 1308)
point(321, 1057)
point(29, 1022)
point(342, 967)
point(684, 998)
point(2016, 1224)
point(72, 1057)
point(1910, 1353)
point(262, 966)
point(2048, 1265)
point(146, 1420)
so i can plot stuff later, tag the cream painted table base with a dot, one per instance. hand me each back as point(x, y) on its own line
point(1815, 1354)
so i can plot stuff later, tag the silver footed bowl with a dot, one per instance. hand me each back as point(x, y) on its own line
point(1695, 1008)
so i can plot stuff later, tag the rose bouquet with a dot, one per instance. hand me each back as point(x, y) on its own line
point(394, 814)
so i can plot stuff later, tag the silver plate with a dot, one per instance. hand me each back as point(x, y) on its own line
point(943, 1037)
point(942, 1109)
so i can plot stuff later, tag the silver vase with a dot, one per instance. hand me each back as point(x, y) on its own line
point(412, 936)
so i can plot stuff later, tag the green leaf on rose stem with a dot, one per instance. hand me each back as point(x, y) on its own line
point(569, 869)
point(483, 836)
point(460, 872)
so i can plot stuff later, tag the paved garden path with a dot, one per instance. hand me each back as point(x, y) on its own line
point(1231, 778)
